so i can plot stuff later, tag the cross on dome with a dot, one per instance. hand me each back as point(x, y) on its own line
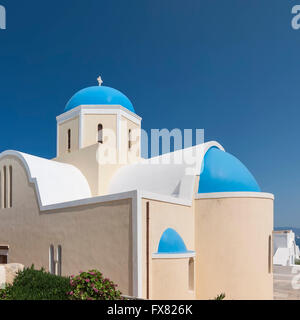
point(100, 81)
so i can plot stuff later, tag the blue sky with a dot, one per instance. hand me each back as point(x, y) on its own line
point(230, 67)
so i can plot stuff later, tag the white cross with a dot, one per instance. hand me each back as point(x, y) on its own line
point(100, 81)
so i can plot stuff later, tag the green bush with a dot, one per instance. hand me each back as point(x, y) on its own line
point(297, 261)
point(221, 296)
point(92, 286)
point(31, 284)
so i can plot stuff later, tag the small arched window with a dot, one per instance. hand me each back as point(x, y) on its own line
point(129, 139)
point(59, 260)
point(4, 254)
point(100, 133)
point(10, 186)
point(191, 274)
point(69, 140)
point(4, 187)
point(270, 257)
point(51, 259)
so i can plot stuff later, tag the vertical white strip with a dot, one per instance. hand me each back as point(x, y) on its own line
point(1, 189)
point(80, 128)
point(119, 132)
point(137, 245)
point(2, 277)
point(57, 140)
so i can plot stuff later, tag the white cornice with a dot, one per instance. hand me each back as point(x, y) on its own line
point(184, 255)
point(220, 195)
point(98, 109)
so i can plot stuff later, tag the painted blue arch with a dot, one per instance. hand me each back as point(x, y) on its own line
point(222, 172)
point(99, 95)
point(171, 242)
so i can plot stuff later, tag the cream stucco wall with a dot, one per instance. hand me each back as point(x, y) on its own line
point(92, 236)
point(231, 240)
point(165, 215)
point(171, 279)
point(232, 248)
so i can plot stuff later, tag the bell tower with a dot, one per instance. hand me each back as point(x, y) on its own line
point(99, 132)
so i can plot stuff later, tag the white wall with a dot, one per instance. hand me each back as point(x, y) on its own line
point(285, 249)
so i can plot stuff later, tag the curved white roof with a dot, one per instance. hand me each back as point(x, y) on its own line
point(172, 174)
point(55, 182)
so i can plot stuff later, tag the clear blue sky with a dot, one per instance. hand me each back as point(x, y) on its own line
point(231, 67)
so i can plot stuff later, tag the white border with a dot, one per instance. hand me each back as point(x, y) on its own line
point(137, 240)
point(173, 255)
point(82, 110)
point(220, 195)
point(81, 129)
point(98, 109)
point(57, 141)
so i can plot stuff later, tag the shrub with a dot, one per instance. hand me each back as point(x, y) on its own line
point(92, 286)
point(31, 284)
point(3, 294)
point(297, 261)
point(221, 296)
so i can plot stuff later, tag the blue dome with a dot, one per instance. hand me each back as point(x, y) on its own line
point(99, 95)
point(171, 242)
point(222, 172)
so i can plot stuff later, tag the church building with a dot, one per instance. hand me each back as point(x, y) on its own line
point(160, 228)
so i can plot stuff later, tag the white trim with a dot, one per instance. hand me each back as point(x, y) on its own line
point(88, 201)
point(173, 255)
point(119, 133)
point(81, 130)
point(99, 109)
point(220, 195)
point(68, 115)
point(82, 110)
point(115, 110)
point(137, 240)
point(57, 141)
